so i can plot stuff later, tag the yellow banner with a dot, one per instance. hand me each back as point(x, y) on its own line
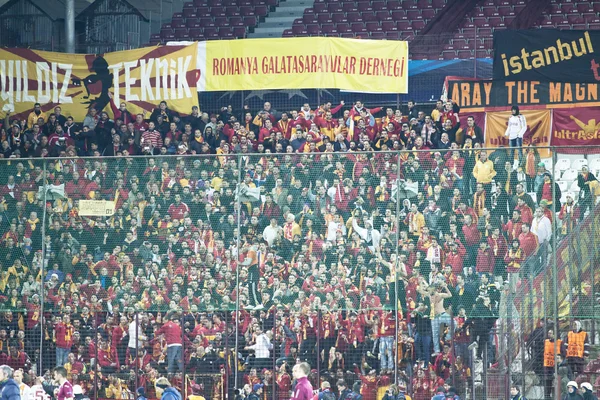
point(538, 129)
point(379, 66)
point(141, 78)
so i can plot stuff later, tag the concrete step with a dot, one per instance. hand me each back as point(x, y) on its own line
point(294, 10)
point(278, 22)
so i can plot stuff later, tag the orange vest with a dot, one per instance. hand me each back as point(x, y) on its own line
point(549, 355)
point(576, 344)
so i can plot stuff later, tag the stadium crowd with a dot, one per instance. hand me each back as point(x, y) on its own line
point(299, 206)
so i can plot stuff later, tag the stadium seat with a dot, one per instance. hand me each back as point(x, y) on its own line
point(563, 185)
point(563, 164)
point(578, 163)
point(569, 175)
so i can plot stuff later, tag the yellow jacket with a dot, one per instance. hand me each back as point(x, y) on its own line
point(33, 118)
point(484, 171)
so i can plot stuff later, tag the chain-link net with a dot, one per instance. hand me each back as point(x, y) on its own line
point(386, 270)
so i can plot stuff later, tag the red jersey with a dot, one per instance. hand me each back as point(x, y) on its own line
point(63, 335)
point(65, 391)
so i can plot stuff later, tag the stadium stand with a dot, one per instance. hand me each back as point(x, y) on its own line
point(317, 240)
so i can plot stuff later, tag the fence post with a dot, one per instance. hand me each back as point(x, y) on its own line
point(43, 264)
point(274, 375)
point(318, 335)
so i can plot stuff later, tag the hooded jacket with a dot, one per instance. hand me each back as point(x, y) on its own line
point(10, 390)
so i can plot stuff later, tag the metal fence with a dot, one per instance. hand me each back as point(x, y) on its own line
point(385, 271)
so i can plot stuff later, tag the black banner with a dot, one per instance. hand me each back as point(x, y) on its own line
point(470, 94)
point(547, 55)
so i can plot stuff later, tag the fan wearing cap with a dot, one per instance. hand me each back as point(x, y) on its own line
point(587, 391)
point(256, 392)
point(572, 392)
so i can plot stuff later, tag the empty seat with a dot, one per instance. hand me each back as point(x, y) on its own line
point(358, 27)
point(364, 6)
point(373, 26)
point(562, 185)
point(398, 15)
point(409, 4)
point(181, 33)
point(464, 54)
point(448, 54)
point(309, 19)
point(193, 23)
point(437, 4)
point(354, 17)
point(413, 15)
point(299, 30)
point(320, 8)
point(403, 25)
point(313, 29)
point(392, 35)
point(418, 25)
point(338, 17)
point(287, 33)
point(423, 4)
point(327, 29)
point(428, 13)
point(334, 7)
point(196, 33)
point(377, 35)
point(349, 7)
point(236, 21)
point(379, 5)
point(218, 12)
point(323, 18)
point(261, 11)
point(578, 163)
point(584, 7)
point(394, 5)
point(221, 21)
point(495, 21)
point(343, 27)
point(388, 26)
point(383, 15)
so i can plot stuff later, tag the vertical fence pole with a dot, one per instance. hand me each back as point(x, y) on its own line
point(43, 263)
point(318, 335)
point(396, 264)
point(227, 355)
point(96, 360)
point(183, 375)
point(555, 280)
point(274, 375)
point(237, 270)
point(137, 350)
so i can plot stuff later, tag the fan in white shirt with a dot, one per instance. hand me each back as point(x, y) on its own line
point(541, 226)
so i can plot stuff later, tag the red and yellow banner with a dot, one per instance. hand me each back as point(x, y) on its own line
point(576, 127)
point(377, 66)
point(77, 82)
point(538, 129)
